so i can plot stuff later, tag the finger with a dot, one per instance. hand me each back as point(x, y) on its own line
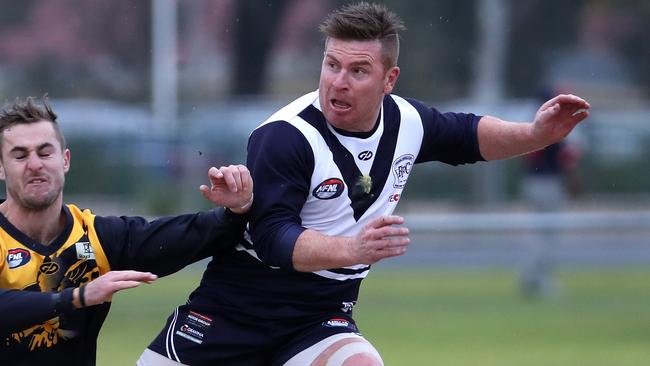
point(123, 285)
point(579, 115)
point(214, 175)
point(390, 231)
point(574, 99)
point(232, 178)
point(204, 190)
point(395, 242)
point(550, 102)
point(385, 221)
point(246, 180)
point(390, 252)
point(130, 275)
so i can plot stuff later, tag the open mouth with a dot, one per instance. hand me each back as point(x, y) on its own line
point(36, 180)
point(339, 104)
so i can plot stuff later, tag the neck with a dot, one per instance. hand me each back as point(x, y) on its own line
point(43, 226)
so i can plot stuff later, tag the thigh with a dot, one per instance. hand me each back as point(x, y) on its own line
point(332, 340)
point(199, 337)
point(338, 350)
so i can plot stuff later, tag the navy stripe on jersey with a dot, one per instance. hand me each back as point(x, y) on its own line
point(361, 200)
point(349, 271)
point(451, 139)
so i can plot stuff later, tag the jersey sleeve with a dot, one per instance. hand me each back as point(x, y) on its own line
point(22, 309)
point(451, 138)
point(166, 245)
point(281, 162)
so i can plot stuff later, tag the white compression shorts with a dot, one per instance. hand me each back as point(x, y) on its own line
point(151, 358)
point(309, 355)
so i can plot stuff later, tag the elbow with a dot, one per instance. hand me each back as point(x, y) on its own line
point(276, 248)
point(276, 256)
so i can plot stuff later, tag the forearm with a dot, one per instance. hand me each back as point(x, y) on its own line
point(500, 139)
point(168, 244)
point(23, 309)
point(187, 239)
point(314, 252)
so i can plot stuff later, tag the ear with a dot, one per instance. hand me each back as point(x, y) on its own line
point(391, 79)
point(2, 171)
point(66, 160)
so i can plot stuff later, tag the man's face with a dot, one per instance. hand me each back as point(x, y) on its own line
point(353, 82)
point(33, 165)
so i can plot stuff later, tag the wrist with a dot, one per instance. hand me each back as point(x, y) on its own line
point(63, 301)
point(78, 298)
point(243, 209)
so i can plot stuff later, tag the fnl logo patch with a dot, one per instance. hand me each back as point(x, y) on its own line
point(18, 257)
point(328, 189)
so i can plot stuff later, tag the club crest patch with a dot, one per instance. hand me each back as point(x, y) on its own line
point(401, 169)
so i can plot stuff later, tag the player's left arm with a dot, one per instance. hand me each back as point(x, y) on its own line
point(168, 244)
point(231, 186)
point(555, 119)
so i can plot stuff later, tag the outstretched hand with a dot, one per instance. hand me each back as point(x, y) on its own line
point(103, 287)
point(556, 118)
point(231, 186)
point(380, 239)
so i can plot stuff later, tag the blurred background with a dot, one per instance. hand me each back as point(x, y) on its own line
point(150, 94)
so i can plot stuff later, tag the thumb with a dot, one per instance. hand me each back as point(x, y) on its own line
point(205, 191)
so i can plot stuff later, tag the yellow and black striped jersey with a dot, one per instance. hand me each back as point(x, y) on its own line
point(32, 330)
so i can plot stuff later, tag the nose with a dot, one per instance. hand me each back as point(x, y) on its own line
point(340, 80)
point(34, 162)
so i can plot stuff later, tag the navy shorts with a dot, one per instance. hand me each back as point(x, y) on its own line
point(215, 337)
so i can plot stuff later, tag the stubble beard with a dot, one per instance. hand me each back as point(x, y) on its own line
point(38, 203)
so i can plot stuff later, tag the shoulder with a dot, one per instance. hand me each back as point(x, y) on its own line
point(408, 109)
point(296, 127)
point(292, 110)
point(83, 215)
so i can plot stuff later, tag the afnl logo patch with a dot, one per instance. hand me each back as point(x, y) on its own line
point(84, 250)
point(18, 257)
point(329, 189)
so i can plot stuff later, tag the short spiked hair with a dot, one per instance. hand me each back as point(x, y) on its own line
point(367, 22)
point(28, 111)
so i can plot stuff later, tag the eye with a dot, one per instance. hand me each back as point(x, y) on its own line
point(46, 152)
point(18, 155)
point(359, 72)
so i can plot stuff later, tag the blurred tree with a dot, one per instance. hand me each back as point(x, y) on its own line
point(636, 46)
point(77, 48)
point(437, 49)
point(256, 24)
point(543, 31)
point(539, 29)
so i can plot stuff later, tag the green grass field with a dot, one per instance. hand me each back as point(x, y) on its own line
point(598, 317)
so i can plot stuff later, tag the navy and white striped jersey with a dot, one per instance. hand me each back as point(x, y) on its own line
point(309, 175)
